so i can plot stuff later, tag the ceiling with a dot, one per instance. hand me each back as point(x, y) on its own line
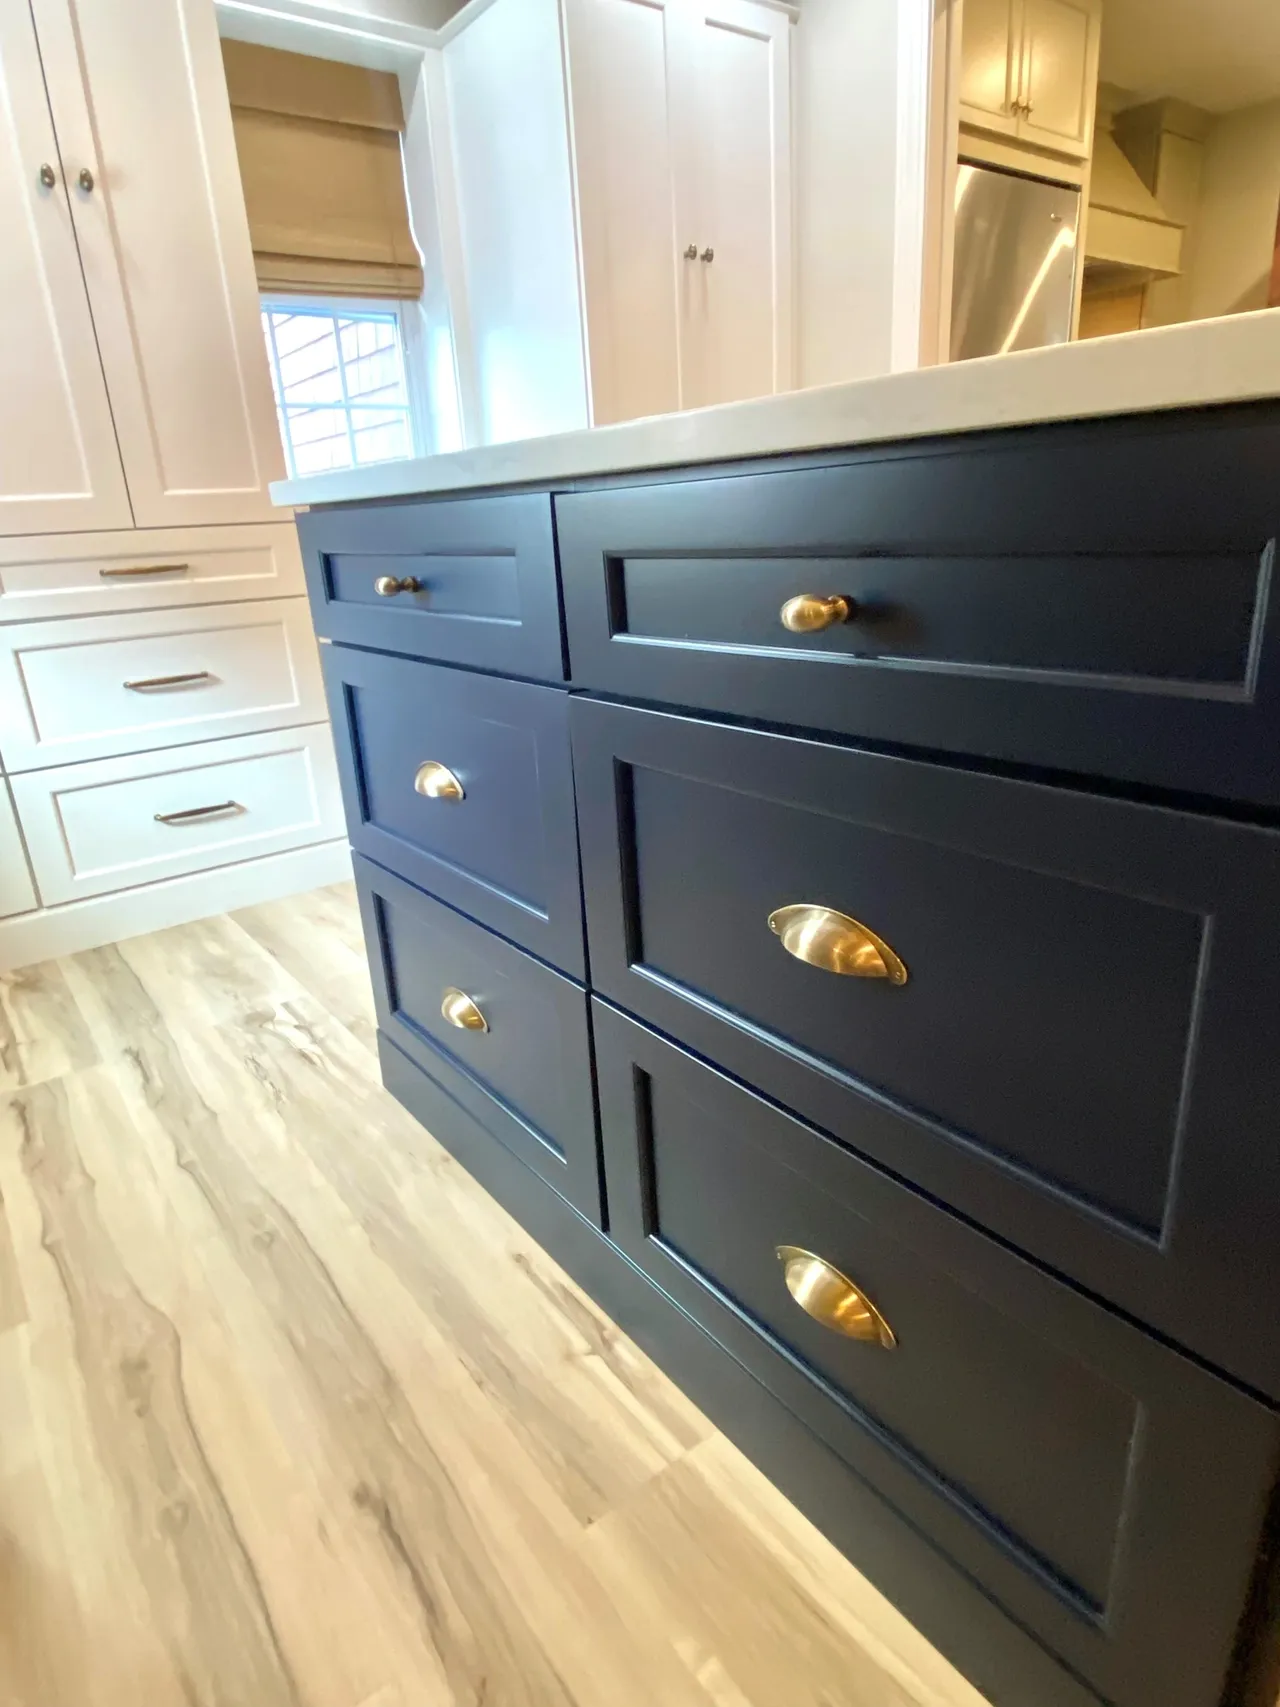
point(1217, 54)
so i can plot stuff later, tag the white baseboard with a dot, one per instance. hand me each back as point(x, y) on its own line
point(55, 931)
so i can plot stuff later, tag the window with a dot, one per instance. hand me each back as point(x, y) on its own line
point(341, 372)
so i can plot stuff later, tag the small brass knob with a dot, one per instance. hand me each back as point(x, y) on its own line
point(85, 179)
point(458, 1008)
point(708, 254)
point(387, 586)
point(48, 177)
point(832, 1299)
point(691, 252)
point(438, 782)
point(809, 613)
point(832, 941)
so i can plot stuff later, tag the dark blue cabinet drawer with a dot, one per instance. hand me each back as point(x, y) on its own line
point(504, 1035)
point(463, 784)
point(1096, 598)
point(466, 581)
point(1104, 1490)
point(1082, 1054)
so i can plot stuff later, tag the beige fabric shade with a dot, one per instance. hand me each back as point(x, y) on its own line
point(319, 148)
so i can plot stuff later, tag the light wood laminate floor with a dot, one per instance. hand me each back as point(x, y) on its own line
point(293, 1415)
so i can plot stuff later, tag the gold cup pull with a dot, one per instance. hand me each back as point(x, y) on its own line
point(458, 1008)
point(808, 613)
point(387, 586)
point(832, 1299)
point(438, 782)
point(836, 943)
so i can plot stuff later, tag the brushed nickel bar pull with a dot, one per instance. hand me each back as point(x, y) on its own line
point(131, 569)
point(145, 682)
point(194, 812)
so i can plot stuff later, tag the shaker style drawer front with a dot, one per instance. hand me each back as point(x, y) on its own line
point(17, 892)
point(502, 1034)
point(1053, 1011)
point(1050, 1449)
point(115, 823)
point(1097, 600)
point(467, 581)
point(464, 785)
point(84, 574)
point(93, 686)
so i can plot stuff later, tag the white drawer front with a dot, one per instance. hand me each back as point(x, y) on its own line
point(93, 686)
point(16, 892)
point(87, 573)
point(117, 823)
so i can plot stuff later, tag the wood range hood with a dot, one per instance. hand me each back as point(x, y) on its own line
point(1127, 231)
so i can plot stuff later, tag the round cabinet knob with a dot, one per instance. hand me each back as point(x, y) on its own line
point(438, 782)
point(809, 613)
point(832, 1299)
point(458, 1008)
point(85, 179)
point(48, 177)
point(387, 586)
point(707, 254)
point(691, 252)
point(833, 942)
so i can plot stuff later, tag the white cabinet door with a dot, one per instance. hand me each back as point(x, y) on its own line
point(619, 55)
point(59, 466)
point(140, 105)
point(990, 64)
point(733, 116)
point(1060, 42)
point(17, 892)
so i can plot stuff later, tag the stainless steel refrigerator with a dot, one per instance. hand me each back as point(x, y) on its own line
point(1016, 253)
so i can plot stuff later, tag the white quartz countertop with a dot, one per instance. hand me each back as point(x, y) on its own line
point(1184, 366)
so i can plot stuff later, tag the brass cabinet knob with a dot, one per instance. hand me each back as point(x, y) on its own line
point(387, 586)
point(458, 1008)
point(808, 613)
point(691, 252)
point(832, 1299)
point(85, 179)
point(438, 782)
point(708, 254)
point(48, 177)
point(836, 943)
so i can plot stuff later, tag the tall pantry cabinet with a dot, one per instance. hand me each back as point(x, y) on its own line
point(137, 439)
point(681, 125)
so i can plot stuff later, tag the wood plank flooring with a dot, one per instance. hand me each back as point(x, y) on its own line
point(271, 1436)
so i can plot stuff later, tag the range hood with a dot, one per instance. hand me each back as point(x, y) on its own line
point(1127, 227)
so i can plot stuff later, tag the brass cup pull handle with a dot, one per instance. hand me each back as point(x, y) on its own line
point(832, 1299)
point(193, 813)
point(835, 943)
point(810, 613)
point(438, 782)
point(458, 1008)
point(387, 586)
point(144, 684)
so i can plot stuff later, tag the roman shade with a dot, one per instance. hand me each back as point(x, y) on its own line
point(319, 148)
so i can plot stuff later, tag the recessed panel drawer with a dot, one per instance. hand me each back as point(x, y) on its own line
point(115, 823)
point(1095, 598)
point(97, 685)
point(1049, 1448)
point(1069, 1036)
point(83, 574)
point(463, 784)
point(506, 1036)
point(466, 581)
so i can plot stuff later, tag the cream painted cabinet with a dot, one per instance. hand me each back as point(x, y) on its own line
point(1029, 69)
point(17, 892)
point(144, 132)
point(682, 140)
point(59, 465)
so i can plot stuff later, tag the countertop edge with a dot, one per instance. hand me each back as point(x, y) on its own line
point(1172, 367)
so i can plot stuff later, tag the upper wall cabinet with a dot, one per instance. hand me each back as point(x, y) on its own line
point(1030, 70)
point(144, 133)
point(681, 122)
point(59, 465)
